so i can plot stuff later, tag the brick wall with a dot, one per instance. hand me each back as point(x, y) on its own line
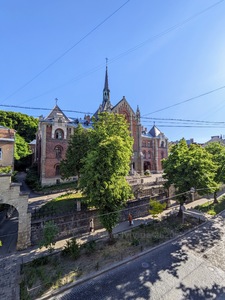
point(78, 222)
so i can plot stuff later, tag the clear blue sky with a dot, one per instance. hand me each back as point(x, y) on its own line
point(159, 53)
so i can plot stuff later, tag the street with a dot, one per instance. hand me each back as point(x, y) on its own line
point(192, 267)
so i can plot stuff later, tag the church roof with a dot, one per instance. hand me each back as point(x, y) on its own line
point(154, 131)
point(57, 113)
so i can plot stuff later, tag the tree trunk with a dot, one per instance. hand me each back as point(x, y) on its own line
point(180, 212)
point(111, 237)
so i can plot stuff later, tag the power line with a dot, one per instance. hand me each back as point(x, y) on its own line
point(187, 100)
point(166, 31)
point(119, 56)
point(65, 52)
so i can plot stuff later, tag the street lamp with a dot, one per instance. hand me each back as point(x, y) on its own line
point(192, 191)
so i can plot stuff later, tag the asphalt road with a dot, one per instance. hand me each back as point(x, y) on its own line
point(192, 267)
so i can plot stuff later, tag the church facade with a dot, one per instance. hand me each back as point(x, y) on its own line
point(55, 130)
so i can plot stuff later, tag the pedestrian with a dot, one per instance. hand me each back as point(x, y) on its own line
point(130, 219)
point(91, 225)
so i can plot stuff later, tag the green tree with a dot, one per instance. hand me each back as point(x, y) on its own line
point(49, 234)
point(77, 149)
point(25, 126)
point(188, 167)
point(105, 167)
point(218, 151)
point(21, 148)
point(156, 207)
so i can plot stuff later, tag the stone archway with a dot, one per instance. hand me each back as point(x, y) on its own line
point(10, 194)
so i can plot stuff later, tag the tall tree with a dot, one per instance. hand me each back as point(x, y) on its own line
point(25, 126)
point(218, 151)
point(189, 167)
point(78, 147)
point(105, 167)
point(21, 148)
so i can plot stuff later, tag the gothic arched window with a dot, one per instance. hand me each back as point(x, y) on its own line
point(144, 154)
point(143, 143)
point(57, 170)
point(58, 151)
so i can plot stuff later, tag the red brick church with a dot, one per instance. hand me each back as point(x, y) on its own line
point(55, 130)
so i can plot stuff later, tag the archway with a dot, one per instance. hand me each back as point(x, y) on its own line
point(8, 228)
point(10, 194)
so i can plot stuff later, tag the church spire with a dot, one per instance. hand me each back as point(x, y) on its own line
point(106, 90)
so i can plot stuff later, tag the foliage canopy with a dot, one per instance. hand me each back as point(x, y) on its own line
point(105, 167)
point(77, 149)
point(188, 167)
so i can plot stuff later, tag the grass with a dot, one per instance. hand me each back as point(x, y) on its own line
point(45, 274)
point(66, 202)
point(59, 187)
point(211, 208)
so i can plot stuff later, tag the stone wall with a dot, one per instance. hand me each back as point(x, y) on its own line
point(78, 222)
point(10, 194)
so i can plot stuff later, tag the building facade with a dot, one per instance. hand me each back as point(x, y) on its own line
point(7, 141)
point(54, 132)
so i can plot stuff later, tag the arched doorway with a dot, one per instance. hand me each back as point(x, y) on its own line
point(8, 228)
point(147, 165)
point(10, 195)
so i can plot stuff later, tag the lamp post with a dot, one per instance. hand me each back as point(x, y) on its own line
point(192, 191)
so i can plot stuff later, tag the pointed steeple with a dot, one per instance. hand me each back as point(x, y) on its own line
point(138, 114)
point(106, 90)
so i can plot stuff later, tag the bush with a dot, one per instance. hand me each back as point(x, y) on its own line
point(72, 249)
point(89, 247)
point(49, 234)
point(5, 170)
point(32, 178)
point(147, 173)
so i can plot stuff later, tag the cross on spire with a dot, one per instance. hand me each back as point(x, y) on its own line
point(56, 101)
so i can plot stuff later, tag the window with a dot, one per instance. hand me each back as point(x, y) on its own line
point(0, 153)
point(162, 154)
point(59, 134)
point(162, 144)
point(57, 170)
point(149, 144)
point(149, 154)
point(144, 154)
point(143, 143)
point(58, 151)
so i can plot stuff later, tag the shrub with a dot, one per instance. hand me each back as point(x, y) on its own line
point(5, 170)
point(147, 173)
point(90, 247)
point(32, 178)
point(72, 249)
point(49, 234)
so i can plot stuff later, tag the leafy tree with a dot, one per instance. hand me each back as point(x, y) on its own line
point(105, 167)
point(21, 148)
point(49, 233)
point(77, 149)
point(188, 167)
point(218, 151)
point(156, 207)
point(25, 126)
